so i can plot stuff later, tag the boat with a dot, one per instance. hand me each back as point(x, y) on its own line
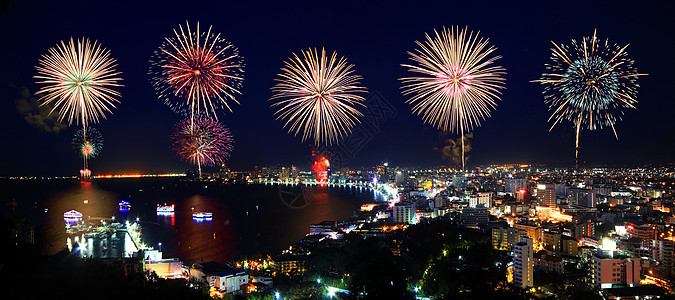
point(124, 205)
point(165, 208)
point(202, 215)
point(72, 214)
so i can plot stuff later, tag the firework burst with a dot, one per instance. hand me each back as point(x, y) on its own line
point(78, 79)
point(589, 84)
point(197, 72)
point(202, 141)
point(318, 95)
point(88, 143)
point(320, 166)
point(457, 82)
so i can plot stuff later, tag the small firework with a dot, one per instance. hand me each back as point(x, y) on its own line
point(196, 73)
point(78, 79)
point(202, 141)
point(85, 173)
point(589, 84)
point(318, 96)
point(88, 142)
point(320, 167)
point(457, 82)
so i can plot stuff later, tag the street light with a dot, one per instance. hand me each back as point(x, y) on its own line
point(277, 296)
point(318, 280)
point(160, 247)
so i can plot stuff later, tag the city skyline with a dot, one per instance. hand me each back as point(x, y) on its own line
point(338, 149)
point(375, 38)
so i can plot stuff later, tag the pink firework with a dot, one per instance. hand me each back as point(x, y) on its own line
point(197, 72)
point(455, 80)
point(202, 141)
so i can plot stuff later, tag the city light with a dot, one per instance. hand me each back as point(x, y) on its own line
point(387, 173)
point(331, 291)
point(608, 245)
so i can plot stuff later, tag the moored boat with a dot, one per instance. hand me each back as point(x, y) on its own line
point(202, 215)
point(165, 208)
point(72, 214)
point(124, 205)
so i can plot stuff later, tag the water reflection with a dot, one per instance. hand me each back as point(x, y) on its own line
point(167, 218)
point(202, 238)
point(246, 218)
point(86, 198)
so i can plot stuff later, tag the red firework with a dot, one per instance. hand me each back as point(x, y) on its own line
point(202, 141)
point(197, 72)
point(321, 167)
point(87, 149)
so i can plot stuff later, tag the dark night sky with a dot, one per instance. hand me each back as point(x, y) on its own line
point(372, 35)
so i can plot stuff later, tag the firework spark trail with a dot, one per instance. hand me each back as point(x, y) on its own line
point(318, 95)
point(457, 83)
point(79, 80)
point(589, 84)
point(196, 73)
point(202, 141)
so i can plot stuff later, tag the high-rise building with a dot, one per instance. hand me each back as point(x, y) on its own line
point(584, 228)
point(665, 254)
point(400, 177)
point(552, 240)
point(533, 232)
point(382, 171)
point(523, 263)
point(294, 173)
point(546, 262)
point(475, 216)
point(512, 185)
point(285, 174)
point(613, 270)
point(569, 246)
point(647, 235)
point(505, 238)
point(546, 194)
point(440, 200)
point(404, 213)
point(582, 197)
point(561, 189)
point(481, 198)
point(602, 190)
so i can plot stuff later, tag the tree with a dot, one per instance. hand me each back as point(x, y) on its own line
point(372, 268)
